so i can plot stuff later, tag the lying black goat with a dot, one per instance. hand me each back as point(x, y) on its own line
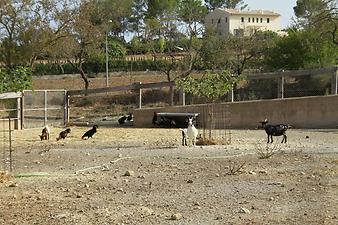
point(275, 130)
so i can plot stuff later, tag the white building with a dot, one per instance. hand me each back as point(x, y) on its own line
point(238, 22)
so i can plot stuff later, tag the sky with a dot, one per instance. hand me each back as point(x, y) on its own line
point(283, 7)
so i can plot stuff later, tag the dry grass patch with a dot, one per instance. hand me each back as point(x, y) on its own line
point(265, 151)
point(4, 177)
point(205, 141)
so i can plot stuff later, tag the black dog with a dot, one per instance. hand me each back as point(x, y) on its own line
point(63, 134)
point(90, 133)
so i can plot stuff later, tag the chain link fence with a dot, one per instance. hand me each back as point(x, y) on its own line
point(44, 107)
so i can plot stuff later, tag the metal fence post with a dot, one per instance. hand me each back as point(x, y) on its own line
point(140, 96)
point(232, 94)
point(334, 83)
point(23, 110)
point(66, 108)
point(280, 93)
point(182, 97)
point(45, 109)
point(10, 144)
point(18, 114)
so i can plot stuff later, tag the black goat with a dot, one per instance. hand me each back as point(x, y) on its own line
point(130, 117)
point(90, 133)
point(275, 130)
point(63, 134)
point(122, 119)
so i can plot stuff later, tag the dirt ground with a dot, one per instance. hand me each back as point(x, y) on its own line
point(76, 82)
point(144, 176)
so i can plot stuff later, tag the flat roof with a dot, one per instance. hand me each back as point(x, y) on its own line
point(251, 12)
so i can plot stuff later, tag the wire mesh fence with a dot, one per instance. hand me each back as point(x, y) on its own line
point(6, 128)
point(44, 107)
point(216, 123)
point(121, 100)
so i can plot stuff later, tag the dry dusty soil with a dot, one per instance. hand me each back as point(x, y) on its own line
point(144, 176)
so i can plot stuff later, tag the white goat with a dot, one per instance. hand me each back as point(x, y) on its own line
point(192, 132)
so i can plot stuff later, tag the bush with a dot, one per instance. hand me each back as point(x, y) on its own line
point(16, 79)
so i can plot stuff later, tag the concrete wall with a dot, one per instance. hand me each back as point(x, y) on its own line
point(305, 112)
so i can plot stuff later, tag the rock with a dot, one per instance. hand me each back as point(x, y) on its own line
point(263, 171)
point(190, 181)
point(176, 216)
point(13, 185)
point(61, 216)
point(244, 210)
point(129, 173)
point(277, 183)
point(147, 211)
point(252, 172)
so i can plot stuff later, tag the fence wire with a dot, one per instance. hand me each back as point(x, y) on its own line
point(44, 107)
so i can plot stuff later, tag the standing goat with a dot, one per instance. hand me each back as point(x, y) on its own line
point(192, 132)
point(90, 133)
point(45, 133)
point(275, 130)
point(63, 134)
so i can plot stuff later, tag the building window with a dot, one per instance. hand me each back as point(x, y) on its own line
point(268, 20)
point(261, 20)
point(253, 19)
point(219, 20)
point(249, 19)
point(256, 20)
point(242, 19)
point(226, 19)
point(212, 21)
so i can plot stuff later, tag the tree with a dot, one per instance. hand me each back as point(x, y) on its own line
point(26, 30)
point(83, 39)
point(162, 35)
point(301, 49)
point(212, 85)
point(117, 13)
point(236, 52)
point(137, 18)
point(230, 4)
point(321, 15)
point(191, 13)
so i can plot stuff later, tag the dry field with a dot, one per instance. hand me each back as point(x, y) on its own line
point(74, 82)
point(144, 176)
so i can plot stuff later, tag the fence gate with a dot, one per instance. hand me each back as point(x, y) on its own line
point(42, 107)
point(10, 119)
